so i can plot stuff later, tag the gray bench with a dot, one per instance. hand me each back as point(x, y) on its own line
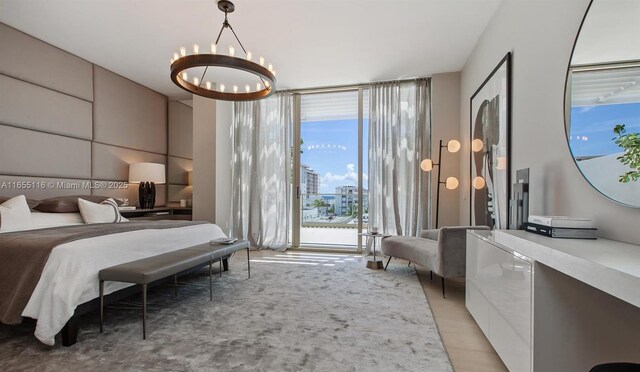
point(150, 269)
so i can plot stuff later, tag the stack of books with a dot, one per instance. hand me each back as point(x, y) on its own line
point(127, 208)
point(561, 227)
point(227, 241)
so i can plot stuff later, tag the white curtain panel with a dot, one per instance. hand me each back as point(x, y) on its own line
point(261, 171)
point(399, 138)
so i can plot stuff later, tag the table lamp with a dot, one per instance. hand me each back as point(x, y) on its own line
point(147, 175)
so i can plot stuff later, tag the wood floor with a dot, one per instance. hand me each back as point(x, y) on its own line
point(468, 348)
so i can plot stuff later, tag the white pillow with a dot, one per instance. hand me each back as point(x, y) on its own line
point(15, 214)
point(41, 220)
point(105, 212)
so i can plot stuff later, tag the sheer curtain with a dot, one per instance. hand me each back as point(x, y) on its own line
point(261, 171)
point(399, 138)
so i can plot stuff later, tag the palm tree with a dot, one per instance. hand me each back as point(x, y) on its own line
point(318, 203)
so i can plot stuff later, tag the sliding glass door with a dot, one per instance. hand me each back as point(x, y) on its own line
point(330, 169)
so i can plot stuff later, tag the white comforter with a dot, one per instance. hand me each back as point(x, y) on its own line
point(70, 276)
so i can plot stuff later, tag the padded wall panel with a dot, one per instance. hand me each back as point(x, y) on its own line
point(128, 114)
point(177, 192)
point(180, 130)
point(42, 188)
point(28, 153)
point(112, 163)
point(31, 106)
point(35, 61)
point(177, 169)
point(131, 193)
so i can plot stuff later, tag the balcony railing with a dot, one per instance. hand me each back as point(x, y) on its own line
point(333, 210)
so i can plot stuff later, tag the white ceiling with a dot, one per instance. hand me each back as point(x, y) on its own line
point(610, 33)
point(310, 42)
point(605, 87)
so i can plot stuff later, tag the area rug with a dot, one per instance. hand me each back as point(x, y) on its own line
point(298, 312)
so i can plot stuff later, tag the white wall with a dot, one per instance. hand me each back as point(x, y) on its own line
point(540, 34)
point(204, 159)
point(224, 120)
point(212, 122)
point(445, 119)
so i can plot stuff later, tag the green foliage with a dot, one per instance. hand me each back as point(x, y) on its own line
point(319, 203)
point(630, 143)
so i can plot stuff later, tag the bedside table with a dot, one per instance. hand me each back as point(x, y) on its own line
point(160, 213)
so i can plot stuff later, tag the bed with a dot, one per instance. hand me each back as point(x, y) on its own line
point(64, 279)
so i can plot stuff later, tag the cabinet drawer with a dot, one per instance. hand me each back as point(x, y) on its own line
point(499, 296)
point(512, 348)
point(478, 307)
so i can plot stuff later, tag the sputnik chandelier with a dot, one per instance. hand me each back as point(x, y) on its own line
point(181, 62)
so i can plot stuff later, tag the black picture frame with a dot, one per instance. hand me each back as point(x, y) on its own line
point(490, 121)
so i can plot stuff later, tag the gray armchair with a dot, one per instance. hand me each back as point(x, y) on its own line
point(442, 251)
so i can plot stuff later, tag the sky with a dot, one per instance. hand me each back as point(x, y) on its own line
point(592, 127)
point(331, 150)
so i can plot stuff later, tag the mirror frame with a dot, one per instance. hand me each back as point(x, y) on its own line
point(566, 113)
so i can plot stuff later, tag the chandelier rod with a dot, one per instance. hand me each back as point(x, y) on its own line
point(202, 78)
point(239, 42)
point(224, 25)
point(227, 24)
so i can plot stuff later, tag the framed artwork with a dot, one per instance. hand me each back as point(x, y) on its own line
point(490, 138)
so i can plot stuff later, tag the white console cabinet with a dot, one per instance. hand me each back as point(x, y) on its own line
point(554, 304)
point(499, 296)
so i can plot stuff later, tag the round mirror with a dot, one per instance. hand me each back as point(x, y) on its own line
point(602, 103)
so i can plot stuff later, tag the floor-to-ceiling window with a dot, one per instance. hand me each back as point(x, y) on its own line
point(604, 118)
point(330, 187)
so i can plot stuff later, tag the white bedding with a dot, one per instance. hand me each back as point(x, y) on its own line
point(40, 220)
point(70, 276)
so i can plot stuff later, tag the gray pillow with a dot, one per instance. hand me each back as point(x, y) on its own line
point(68, 204)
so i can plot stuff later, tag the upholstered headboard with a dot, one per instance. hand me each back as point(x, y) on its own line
point(68, 127)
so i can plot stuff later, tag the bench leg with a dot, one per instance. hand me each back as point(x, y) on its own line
point(225, 264)
point(443, 287)
point(101, 304)
point(211, 280)
point(248, 265)
point(220, 260)
point(175, 284)
point(430, 275)
point(144, 311)
point(70, 332)
point(385, 266)
point(409, 265)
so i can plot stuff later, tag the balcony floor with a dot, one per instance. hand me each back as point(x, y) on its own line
point(328, 236)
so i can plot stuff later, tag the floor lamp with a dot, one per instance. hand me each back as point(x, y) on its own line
point(450, 183)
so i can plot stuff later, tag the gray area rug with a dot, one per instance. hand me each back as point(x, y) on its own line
point(287, 317)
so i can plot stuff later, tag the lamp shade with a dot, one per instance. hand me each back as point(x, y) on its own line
point(453, 146)
point(477, 145)
point(501, 163)
point(451, 183)
point(426, 165)
point(478, 182)
point(147, 172)
point(190, 178)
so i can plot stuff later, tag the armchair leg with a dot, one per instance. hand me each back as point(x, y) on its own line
point(430, 275)
point(443, 287)
point(409, 265)
point(385, 266)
